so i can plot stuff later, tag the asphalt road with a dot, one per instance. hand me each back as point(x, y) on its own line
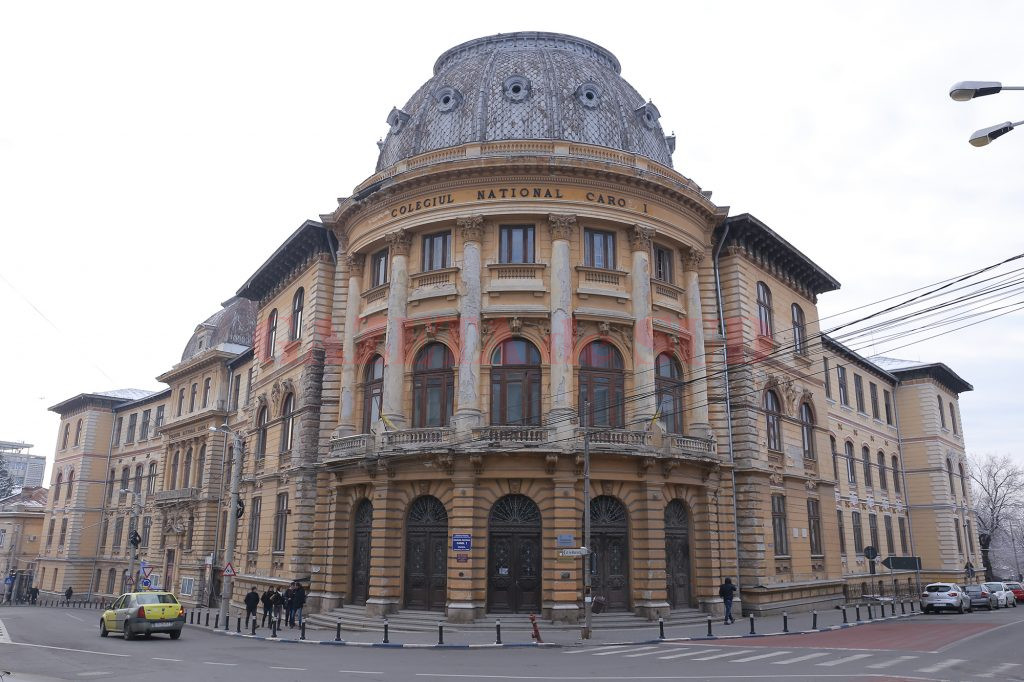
point(46, 644)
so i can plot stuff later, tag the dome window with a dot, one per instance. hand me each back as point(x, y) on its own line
point(649, 115)
point(517, 88)
point(397, 119)
point(589, 95)
point(448, 99)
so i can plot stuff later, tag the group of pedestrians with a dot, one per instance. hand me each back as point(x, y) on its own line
point(291, 602)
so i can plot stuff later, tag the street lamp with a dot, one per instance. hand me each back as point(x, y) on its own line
point(982, 137)
point(232, 530)
point(964, 91)
point(133, 532)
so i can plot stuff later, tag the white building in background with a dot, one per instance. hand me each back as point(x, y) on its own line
point(26, 469)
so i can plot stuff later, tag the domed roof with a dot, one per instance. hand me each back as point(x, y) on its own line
point(234, 323)
point(526, 86)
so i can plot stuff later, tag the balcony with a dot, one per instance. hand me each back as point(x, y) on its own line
point(351, 446)
point(412, 439)
point(691, 445)
point(602, 282)
point(375, 299)
point(514, 435)
point(181, 494)
point(614, 439)
point(433, 284)
point(515, 277)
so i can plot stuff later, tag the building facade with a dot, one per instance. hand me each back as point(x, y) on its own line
point(524, 308)
point(26, 469)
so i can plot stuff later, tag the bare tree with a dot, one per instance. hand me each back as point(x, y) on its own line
point(998, 487)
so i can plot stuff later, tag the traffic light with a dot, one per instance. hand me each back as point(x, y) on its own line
point(135, 538)
point(240, 509)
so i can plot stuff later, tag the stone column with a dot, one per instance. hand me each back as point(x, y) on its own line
point(385, 549)
point(469, 415)
point(646, 404)
point(565, 576)
point(346, 422)
point(698, 410)
point(394, 342)
point(562, 399)
point(647, 545)
point(467, 581)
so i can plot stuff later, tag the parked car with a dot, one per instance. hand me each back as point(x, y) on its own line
point(143, 613)
point(1018, 591)
point(938, 596)
point(1005, 597)
point(981, 597)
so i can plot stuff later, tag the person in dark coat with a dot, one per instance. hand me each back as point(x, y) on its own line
point(277, 601)
point(67, 594)
point(727, 592)
point(252, 602)
point(298, 601)
point(287, 597)
point(267, 606)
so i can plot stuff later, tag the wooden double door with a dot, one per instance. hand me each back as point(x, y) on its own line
point(677, 555)
point(426, 555)
point(514, 556)
point(361, 552)
point(609, 540)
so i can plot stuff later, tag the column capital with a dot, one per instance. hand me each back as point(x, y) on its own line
point(472, 227)
point(640, 238)
point(399, 242)
point(562, 225)
point(692, 259)
point(354, 262)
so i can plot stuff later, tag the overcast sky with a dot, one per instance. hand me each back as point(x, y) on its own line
point(152, 155)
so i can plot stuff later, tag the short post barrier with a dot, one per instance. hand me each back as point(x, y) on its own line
point(903, 607)
point(253, 626)
point(273, 627)
point(871, 615)
point(302, 629)
point(814, 620)
point(216, 620)
point(785, 622)
point(386, 641)
point(227, 623)
point(893, 607)
point(661, 628)
point(207, 618)
point(238, 625)
point(191, 617)
point(857, 611)
point(536, 628)
point(337, 633)
point(709, 627)
point(845, 619)
point(497, 631)
point(752, 624)
point(912, 606)
point(440, 632)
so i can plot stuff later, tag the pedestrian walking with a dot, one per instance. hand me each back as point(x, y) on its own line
point(287, 597)
point(277, 601)
point(727, 592)
point(252, 602)
point(298, 601)
point(267, 605)
point(34, 593)
point(67, 594)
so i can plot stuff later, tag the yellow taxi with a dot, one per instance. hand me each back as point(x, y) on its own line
point(144, 613)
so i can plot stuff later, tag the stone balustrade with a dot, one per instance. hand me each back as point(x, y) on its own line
point(512, 434)
point(176, 495)
point(404, 438)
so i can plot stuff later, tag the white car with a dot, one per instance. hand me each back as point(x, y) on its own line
point(939, 596)
point(1004, 596)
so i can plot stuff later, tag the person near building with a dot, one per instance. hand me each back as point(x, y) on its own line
point(267, 605)
point(298, 601)
point(727, 592)
point(277, 601)
point(34, 594)
point(68, 593)
point(252, 602)
point(287, 603)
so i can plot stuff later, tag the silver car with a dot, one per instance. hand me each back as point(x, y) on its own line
point(939, 596)
point(1004, 596)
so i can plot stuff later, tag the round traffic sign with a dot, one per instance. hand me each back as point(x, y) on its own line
point(146, 582)
point(870, 553)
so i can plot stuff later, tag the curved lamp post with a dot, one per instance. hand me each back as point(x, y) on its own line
point(965, 91)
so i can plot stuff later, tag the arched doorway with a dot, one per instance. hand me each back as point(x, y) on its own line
point(361, 552)
point(513, 557)
point(609, 539)
point(426, 555)
point(677, 554)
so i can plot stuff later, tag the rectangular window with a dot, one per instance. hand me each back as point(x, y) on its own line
point(661, 268)
point(873, 530)
point(844, 393)
point(970, 537)
point(902, 523)
point(118, 532)
point(599, 249)
point(779, 525)
point(516, 245)
point(130, 436)
point(187, 585)
point(144, 428)
point(159, 417)
point(63, 532)
point(117, 430)
point(814, 526)
point(959, 540)
point(280, 522)
point(952, 418)
point(248, 385)
point(873, 392)
point(254, 524)
point(842, 532)
point(858, 389)
point(435, 251)
point(3, 536)
point(147, 528)
point(49, 533)
point(104, 532)
point(236, 387)
point(379, 268)
point(890, 542)
point(942, 415)
point(858, 533)
point(887, 399)
point(828, 379)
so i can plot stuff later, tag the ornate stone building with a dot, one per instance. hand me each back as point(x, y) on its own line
point(524, 276)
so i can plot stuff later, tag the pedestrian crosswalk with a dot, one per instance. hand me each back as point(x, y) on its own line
point(833, 658)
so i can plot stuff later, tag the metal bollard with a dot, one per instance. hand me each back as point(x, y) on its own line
point(785, 622)
point(661, 628)
point(536, 628)
point(191, 617)
point(814, 620)
point(302, 629)
point(440, 632)
point(238, 625)
point(337, 633)
point(497, 631)
point(207, 619)
point(216, 620)
point(385, 630)
point(893, 606)
point(253, 626)
point(871, 615)
point(709, 627)
point(273, 627)
point(845, 619)
point(752, 624)
point(857, 610)
point(903, 607)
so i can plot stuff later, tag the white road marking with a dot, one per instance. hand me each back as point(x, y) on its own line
point(361, 672)
point(64, 648)
point(646, 653)
point(216, 663)
point(69, 615)
point(174, 660)
point(886, 664)
point(590, 651)
point(940, 666)
point(94, 674)
point(4, 637)
point(624, 651)
point(773, 654)
point(1002, 668)
point(730, 653)
point(688, 653)
point(845, 659)
point(800, 658)
point(281, 667)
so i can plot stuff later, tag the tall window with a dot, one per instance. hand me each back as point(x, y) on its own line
point(814, 526)
point(949, 474)
point(844, 393)
point(272, 333)
point(181, 401)
point(599, 249)
point(151, 479)
point(125, 478)
point(764, 310)
point(63, 532)
point(799, 330)
point(773, 420)
point(896, 482)
point(287, 422)
point(110, 485)
point(807, 430)
point(147, 529)
point(373, 392)
point(132, 420)
point(959, 539)
point(873, 394)
point(56, 487)
point(835, 458)
point(280, 522)
point(661, 268)
point(887, 399)
point(206, 391)
point(952, 418)
point(379, 268)
point(159, 417)
point(172, 480)
point(883, 481)
point(144, 428)
point(435, 251)
point(193, 394)
point(298, 301)
point(828, 378)
point(190, 531)
point(779, 525)
point(865, 456)
point(669, 386)
point(78, 433)
point(261, 436)
point(963, 481)
point(515, 384)
point(890, 542)
point(111, 578)
point(851, 463)
point(201, 466)
point(49, 533)
point(118, 532)
point(236, 387)
point(71, 484)
point(970, 537)
point(137, 482)
point(117, 430)
point(601, 385)
point(104, 532)
point(842, 532)
point(858, 533)
point(254, 524)
point(873, 529)
point(186, 470)
point(902, 523)
point(516, 245)
point(858, 389)
point(433, 386)
point(942, 415)
point(67, 435)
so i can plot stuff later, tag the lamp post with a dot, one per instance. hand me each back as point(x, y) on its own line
point(232, 531)
point(133, 530)
point(588, 598)
point(964, 91)
point(1013, 543)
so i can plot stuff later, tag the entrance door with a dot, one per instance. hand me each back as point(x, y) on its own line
point(361, 552)
point(609, 538)
point(513, 556)
point(426, 555)
point(169, 583)
point(677, 554)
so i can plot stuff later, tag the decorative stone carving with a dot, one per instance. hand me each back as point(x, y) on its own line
point(515, 485)
point(399, 242)
point(477, 461)
point(515, 325)
point(472, 227)
point(550, 462)
point(562, 225)
point(692, 259)
point(643, 465)
point(606, 487)
point(640, 238)
point(775, 479)
point(355, 262)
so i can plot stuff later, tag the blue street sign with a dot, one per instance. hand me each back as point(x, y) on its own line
point(462, 542)
point(147, 583)
point(9, 580)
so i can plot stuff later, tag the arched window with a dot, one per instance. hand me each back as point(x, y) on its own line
point(151, 479)
point(297, 302)
point(668, 380)
point(602, 385)
point(206, 392)
point(963, 482)
point(67, 435)
point(895, 474)
point(373, 392)
point(287, 421)
point(942, 414)
point(799, 330)
point(949, 473)
point(764, 310)
point(172, 480)
point(186, 470)
point(56, 487)
point(126, 477)
point(865, 455)
point(515, 384)
point(433, 386)
point(192, 398)
point(137, 483)
point(261, 434)
point(882, 480)
point(201, 466)
point(773, 420)
point(271, 332)
point(835, 458)
point(181, 401)
point(952, 418)
point(78, 432)
point(851, 463)
point(807, 430)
